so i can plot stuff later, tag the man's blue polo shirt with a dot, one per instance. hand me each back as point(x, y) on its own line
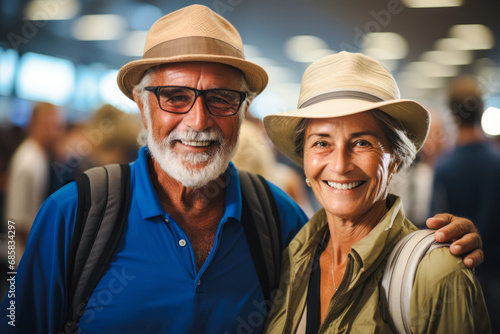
point(151, 285)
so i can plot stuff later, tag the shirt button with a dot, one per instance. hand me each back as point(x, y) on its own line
point(166, 220)
point(199, 282)
point(182, 242)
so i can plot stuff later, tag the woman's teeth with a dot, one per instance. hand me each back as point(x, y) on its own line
point(344, 186)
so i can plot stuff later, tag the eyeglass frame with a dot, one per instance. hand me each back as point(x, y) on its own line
point(197, 92)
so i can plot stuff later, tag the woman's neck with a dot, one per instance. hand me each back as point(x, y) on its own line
point(346, 232)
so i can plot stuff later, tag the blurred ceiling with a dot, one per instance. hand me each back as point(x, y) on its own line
point(267, 29)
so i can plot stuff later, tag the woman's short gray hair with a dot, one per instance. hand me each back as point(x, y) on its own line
point(402, 147)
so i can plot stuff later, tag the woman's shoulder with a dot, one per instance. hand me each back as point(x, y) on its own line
point(441, 276)
point(439, 264)
point(447, 297)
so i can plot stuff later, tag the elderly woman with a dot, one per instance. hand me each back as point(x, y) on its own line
point(351, 133)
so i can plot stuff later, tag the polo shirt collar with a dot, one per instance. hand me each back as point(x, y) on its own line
point(233, 194)
point(150, 205)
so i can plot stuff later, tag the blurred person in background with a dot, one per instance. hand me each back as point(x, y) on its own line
point(11, 136)
point(467, 182)
point(110, 136)
point(72, 152)
point(414, 185)
point(255, 155)
point(29, 176)
point(114, 134)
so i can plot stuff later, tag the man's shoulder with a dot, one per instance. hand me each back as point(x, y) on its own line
point(466, 156)
point(283, 200)
point(447, 158)
point(292, 217)
point(66, 196)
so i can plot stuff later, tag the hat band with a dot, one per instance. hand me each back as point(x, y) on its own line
point(193, 45)
point(340, 94)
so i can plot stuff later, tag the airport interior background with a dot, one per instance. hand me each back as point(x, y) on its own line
point(67, 53)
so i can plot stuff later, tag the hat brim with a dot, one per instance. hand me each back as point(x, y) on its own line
point(280, 127)
point(131, 73)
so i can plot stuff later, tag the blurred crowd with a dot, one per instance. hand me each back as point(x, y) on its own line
point(40, 157)
point(457, 171)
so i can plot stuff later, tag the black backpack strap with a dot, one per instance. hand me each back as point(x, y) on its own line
point(103, 198)
point(261, 222)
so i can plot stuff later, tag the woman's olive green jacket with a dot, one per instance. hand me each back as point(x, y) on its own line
point(446, 296)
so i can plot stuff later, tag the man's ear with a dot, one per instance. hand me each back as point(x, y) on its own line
point(138, 101)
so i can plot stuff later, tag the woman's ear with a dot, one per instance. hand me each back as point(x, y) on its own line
point(397, 163)
point(394, 168)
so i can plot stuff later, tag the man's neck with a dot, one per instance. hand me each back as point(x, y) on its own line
point(469, 135)
point(187, 202)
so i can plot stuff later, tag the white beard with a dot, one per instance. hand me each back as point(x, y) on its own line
point(179, 166)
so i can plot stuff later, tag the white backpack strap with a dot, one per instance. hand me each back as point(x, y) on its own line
point(399, 275)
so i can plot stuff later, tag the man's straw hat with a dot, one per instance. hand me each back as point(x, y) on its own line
point(345, 84)
point(193, 33)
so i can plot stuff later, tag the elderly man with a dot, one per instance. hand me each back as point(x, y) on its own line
point(183, 263)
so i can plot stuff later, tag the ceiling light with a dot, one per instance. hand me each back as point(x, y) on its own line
point(432, 3)
point(432, 69)
point(306, 48)
point(43, 10)
point(99, 27)
point(450, 44)
point(490, 121)
point(36, 80)
point(385, 45)
point(457, 57)
point(421, 81)
point(474, 36)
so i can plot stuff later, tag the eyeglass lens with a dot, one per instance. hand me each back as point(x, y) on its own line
point(180, 100)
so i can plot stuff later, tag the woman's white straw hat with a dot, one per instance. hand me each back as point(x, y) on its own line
point(344, 84)
point(193, 33)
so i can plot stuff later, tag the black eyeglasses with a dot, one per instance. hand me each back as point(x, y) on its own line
point(180, 100)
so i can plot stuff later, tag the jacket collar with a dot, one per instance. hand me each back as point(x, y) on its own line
point(368, 253)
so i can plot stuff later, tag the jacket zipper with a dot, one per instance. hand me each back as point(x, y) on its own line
point(345, 280)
